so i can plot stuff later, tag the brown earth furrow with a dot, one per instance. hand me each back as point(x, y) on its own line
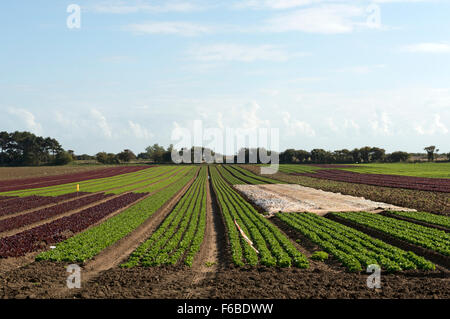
point(208, 260)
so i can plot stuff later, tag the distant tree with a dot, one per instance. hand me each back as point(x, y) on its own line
point(167, 156)
point(398, 157)
point(376, 154)
point(84, 157)
point(365, 153)
point(126, 156)
point(343, 156)
point(143, 156)
point(156, 153)
point(431, 150)
point(63, 158)
point(356, 154)
point(288, 156)
point(303, 156)
point(319, 156)
point(107, 158)
point(448, 156)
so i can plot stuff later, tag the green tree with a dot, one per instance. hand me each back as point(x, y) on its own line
point(431, 150)
point(107, 158)
point(126, 156)
point(63, 158)
point(155, 153)
point(398, 157)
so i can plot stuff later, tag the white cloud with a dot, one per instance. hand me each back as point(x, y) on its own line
point(138, 131)
point(342, 125)
point(101, 122)
point(295, 127)
point(350, 124)
point(241, 53)
point(28, 119)
point(328, 19)
point(250, 118)
point(435, 127)
point(169, 27)
point(127, 7)
point(332, 125)
point(381, 124)
point(427, 48)
point(272, 4)
point(220, 120)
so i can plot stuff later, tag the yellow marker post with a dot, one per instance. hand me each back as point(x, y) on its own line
point(78, 187)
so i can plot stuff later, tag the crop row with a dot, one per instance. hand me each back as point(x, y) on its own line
point(228, 176)
point(297, 168)
point(427, 237)
point(88, 244)
point(142, 186)
point(397, 181)
point(124, 184)
point(5, 198)
point(249, 174)
point(426, 217)
point(12, 185)
point(435, 202)
point(244, 178)
point(271, 247)
point(352, 248)
point(39, 237)
point(181, 233)
point(21, 204)
point(92, 185)
point(49, 212)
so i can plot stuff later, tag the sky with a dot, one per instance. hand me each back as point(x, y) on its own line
point(327, 74)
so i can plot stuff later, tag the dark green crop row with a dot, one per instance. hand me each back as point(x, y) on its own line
point(274, 248)
point(262, 178)
point(150, 184)
point(91, 242)
point(352, 248)
point(228, 176)
point(244, 178)
point(427, 237)
point(181, 233)
point(426, 217)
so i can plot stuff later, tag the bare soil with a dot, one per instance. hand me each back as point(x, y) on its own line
point(10, 173)
point(48, 280)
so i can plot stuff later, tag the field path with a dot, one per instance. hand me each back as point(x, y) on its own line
point(210, 257)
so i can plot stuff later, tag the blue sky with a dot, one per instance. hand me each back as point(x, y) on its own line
point(329, 74)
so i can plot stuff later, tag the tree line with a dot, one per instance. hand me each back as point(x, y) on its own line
point(26, 149)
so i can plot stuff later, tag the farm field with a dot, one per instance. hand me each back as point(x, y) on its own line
point(420, 176)
point(191, 231)
point(421, 200)
point(431, 170)
point(11, 173)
